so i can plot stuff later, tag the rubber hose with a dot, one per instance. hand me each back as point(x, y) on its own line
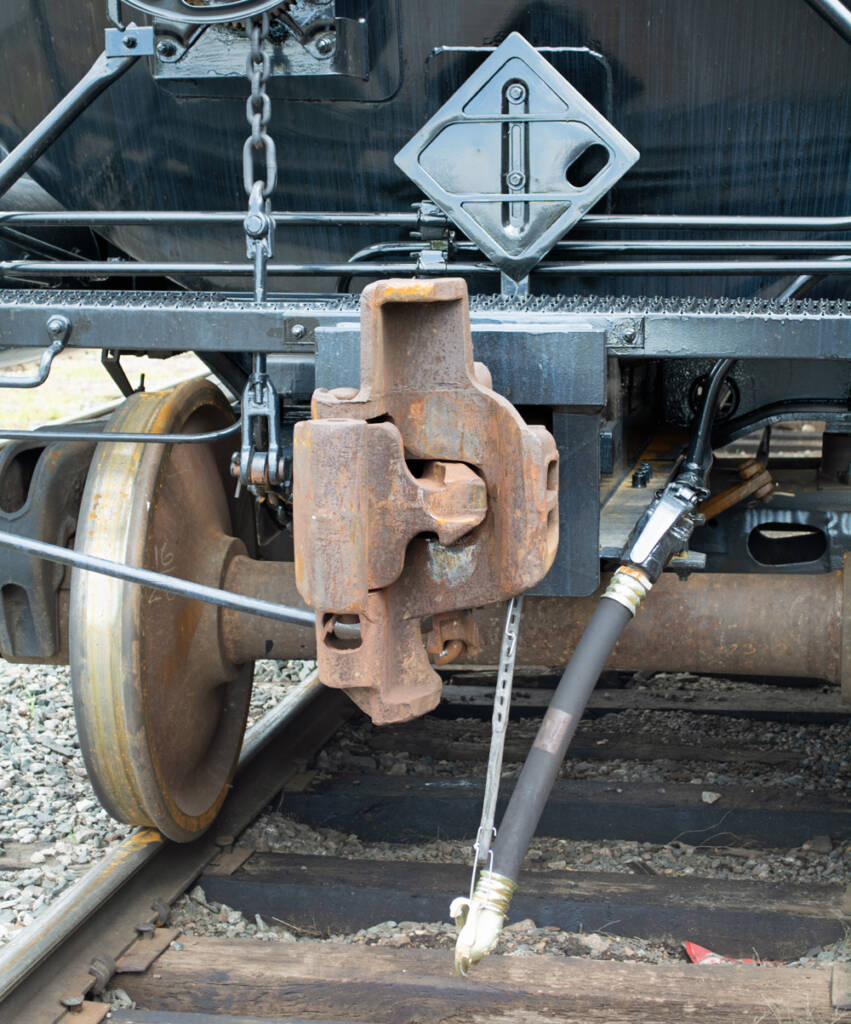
point(557, 729)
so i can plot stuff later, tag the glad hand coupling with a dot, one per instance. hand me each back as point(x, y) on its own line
point(419, 494)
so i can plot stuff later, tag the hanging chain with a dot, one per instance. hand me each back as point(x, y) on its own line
point(259, 226)
point(260, 465)
point(258, 111)
point(499, 724)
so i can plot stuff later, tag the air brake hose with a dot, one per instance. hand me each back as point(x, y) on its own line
point(557, 729)
point(662, 531)
point(482, 917)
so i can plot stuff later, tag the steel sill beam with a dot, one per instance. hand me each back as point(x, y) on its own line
point(636, 327)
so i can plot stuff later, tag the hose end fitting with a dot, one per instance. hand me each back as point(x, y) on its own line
point(480, 919)
point(628, 586)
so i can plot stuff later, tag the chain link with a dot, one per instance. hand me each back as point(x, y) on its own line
point(259, 225)
point(259, 463)
point(482, 848)
point(258, 112)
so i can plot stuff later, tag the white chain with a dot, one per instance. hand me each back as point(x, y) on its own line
point(499, 725)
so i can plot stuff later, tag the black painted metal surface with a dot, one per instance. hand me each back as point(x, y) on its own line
point(737, 107)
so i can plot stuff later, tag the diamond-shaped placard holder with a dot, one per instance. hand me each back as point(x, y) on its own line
point(516, 157)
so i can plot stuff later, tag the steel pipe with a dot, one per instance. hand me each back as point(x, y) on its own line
point(714, 222)
point(783, 625)
point(186, 218)
point(113, 437)
point(836, 14)
point(779, 625)
point(131, 268)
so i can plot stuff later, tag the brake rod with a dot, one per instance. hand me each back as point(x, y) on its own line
point(158, 580)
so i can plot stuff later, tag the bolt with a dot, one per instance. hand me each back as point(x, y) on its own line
point(517, 92)
point(234, 464)
point(58, 325)
point(326, 44)
point(223, 841)
point(145, 928)
point(72, 1003)
point(344, 394)
point(277, 31)
point(129, 42)
point(162, 910)
point(166, 49)
point(516, 179)
point(629, 333)
point(256, 225)
point(641, 477)
point(298, 331)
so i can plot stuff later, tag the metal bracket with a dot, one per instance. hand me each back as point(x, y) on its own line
point(627, 335)
point(131, 41)
point(432, 260)
point(111, 361)
point(260, 464)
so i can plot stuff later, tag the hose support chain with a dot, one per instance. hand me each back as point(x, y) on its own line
point(662, 531)
point(499, 725)
point(487, 905)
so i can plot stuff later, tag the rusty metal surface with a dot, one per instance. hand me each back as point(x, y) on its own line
point(372, 539)
point(711, 624)
point(452, 635)
point(40, 491)
point(247, 637)
point(775, 624)
point(756, 482)
point(145, 950)
point(160, 709)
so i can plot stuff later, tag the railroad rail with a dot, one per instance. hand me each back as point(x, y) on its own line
point(45, 970)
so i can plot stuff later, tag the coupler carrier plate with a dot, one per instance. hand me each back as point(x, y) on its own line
point(423, 492)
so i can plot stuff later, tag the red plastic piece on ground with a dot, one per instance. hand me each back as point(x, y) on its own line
point(703, 956)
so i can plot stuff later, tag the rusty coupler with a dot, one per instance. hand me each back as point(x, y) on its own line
point(418, 497)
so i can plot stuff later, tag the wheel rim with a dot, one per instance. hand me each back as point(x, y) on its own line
point(160, 711)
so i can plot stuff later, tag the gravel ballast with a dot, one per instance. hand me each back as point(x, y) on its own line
point(52, 827)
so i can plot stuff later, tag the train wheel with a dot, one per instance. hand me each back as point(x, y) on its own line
point(160, 711)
